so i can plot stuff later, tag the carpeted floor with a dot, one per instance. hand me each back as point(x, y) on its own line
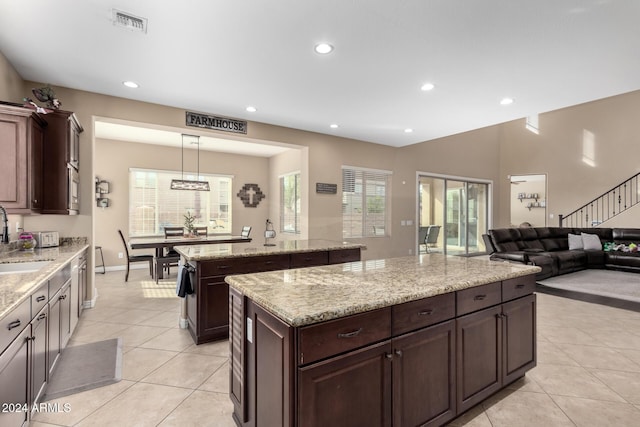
point(86, 366)
point(607, 283)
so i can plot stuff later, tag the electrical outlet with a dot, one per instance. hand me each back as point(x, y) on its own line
point(120, 255)
point(403, 222)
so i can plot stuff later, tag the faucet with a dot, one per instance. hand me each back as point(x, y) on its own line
point(5, 228)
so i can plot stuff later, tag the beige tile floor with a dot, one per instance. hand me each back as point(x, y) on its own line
point(588, 371)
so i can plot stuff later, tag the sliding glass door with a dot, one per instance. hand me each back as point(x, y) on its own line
point(458, 209)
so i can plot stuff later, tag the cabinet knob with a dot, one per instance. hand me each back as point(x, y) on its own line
point(398, 353)
point(388, 355)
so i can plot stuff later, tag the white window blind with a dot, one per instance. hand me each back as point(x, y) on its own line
point(290, 203)
point(364, 202)
point(153, 205)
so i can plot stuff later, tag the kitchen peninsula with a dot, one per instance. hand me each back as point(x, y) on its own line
point(205, 311)
point(393, 342)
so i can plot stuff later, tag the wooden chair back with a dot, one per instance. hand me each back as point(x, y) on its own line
point(173, 232)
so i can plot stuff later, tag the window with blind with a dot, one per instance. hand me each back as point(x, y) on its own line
point(290, 203)
point(153, 205)
point(365, 202)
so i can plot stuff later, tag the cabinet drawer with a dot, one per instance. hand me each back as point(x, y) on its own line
point(58, 279)
point(418, 314)
point(478, 297)
point(39, 298)
point(309, 259)
point(337, 336)
point(518, 287)
point(14, 323)
point(244, 265)
point(344, 255)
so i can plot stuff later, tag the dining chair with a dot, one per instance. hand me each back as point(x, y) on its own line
point(431, 239)
point(170, 258)
point(173, 232)
point(201, 231)
point(246, 230)
point(135, 258)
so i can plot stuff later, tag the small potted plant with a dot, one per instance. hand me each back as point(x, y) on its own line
point(189, 221)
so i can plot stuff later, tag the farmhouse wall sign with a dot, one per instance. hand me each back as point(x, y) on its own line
point(216, 123)
point(251, 195)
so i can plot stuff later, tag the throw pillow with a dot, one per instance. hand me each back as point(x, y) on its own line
point(591, 242)
point(575, 241)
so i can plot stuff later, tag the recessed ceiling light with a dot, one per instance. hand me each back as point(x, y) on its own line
point(251, 109)
point(333, 126)
point(427, 86)
point(323, 48)
point(408, 130)
point(506, 101)
point(131, 84)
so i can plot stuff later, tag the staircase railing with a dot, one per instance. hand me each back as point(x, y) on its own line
point(606, 206)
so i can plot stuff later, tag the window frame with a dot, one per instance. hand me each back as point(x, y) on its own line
point(156, 201)
point(297, 204)
point(368, 187)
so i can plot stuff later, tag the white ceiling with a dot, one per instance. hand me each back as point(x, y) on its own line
point(221, 56)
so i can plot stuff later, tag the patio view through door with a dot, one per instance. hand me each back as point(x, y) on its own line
point(453, 213)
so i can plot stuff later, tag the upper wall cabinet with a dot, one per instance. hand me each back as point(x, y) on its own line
point(61, 165)
point(21, 159)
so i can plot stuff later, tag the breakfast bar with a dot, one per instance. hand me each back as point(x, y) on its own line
point(393, 342)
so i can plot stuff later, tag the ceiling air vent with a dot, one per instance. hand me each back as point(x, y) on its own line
point(130, 22)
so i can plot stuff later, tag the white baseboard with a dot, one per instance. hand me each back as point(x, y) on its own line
point(184, 323)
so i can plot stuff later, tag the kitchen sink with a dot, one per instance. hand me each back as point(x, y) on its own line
point(22, 267)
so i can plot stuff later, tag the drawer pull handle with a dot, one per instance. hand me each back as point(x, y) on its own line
point(14, 324)
point(268, 262)
point(427, 312)
point(61, 297)
point(42, 316)
point(520, 286)
point(479, 297)
point(350, 334)
point(40, 298)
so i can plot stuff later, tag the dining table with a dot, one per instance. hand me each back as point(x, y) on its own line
point(160, 243)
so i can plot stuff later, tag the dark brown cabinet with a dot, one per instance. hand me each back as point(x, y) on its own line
point(359, 382)
point(420, 363)
point(21, 141)
point(496, 346)
point(208, 305)
point(424, 366)
point(59, 315)
point(61, 150)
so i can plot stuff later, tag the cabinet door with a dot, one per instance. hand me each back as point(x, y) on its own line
point(54, 332)
point(213, 306)
point(13, 162)
point(424, 377)
point(65, 314)
point(36, 138)
point(347, 391)
point(14, 367)
point(519, 319)
point(479, 358)
point(39, 354)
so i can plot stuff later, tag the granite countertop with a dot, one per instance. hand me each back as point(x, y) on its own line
point(309, 295)
point(254, 248)
point(17, 287)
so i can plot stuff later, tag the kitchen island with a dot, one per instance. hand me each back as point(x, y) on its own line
point(205, 312)
point(395, 342)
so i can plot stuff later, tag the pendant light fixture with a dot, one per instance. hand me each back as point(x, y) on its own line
point(183, 184)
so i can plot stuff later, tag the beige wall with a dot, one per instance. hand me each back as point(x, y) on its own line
point(491, 153)
point(111, 165)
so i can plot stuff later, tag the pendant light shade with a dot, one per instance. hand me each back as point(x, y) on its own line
point(185, 184)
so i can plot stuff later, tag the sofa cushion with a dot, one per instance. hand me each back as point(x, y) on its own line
point(575, 241)
point(505, 239)
point(626, 235)
point(591, 242)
